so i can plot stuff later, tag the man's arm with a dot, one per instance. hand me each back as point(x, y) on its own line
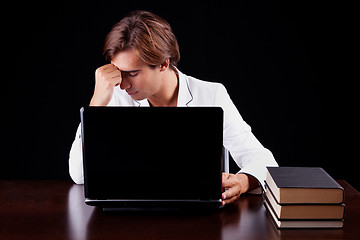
point(76, 159)
point(107, 77)
point(246, 150)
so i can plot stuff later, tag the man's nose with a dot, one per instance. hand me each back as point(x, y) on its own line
point(125, 84)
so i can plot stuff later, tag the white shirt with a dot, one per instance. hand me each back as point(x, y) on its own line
point(246, 150)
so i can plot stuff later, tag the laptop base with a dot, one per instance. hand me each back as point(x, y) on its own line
point(154, 205)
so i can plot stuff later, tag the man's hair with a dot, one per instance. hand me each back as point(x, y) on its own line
point(150, 35)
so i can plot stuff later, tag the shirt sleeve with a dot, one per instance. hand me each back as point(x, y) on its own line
point(246, 150)
point(76, 159)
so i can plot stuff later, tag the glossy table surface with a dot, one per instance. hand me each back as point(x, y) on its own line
point(56, 210)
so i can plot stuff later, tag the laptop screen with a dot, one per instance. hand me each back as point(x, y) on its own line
point(152, 153)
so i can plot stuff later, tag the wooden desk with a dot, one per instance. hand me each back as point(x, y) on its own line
point(56, 210)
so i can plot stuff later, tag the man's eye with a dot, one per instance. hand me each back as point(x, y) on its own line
point(133, 74)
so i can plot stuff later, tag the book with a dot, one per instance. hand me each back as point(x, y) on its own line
point(304, 211)
point(302, 223)
point(293, 185)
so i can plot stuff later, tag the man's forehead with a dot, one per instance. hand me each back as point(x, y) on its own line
point(128, 61)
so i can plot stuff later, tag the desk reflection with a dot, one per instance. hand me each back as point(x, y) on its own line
point(245, 216)
point(37, 210)
point(78, 213)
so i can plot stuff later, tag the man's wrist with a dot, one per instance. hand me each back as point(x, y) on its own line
point(97, 102)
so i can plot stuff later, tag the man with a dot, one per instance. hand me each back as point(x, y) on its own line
point(143, 54)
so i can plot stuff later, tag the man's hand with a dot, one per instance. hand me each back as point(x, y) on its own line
point(107, 78)
point(236, 184)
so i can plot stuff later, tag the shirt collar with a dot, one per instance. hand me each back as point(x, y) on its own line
point(184, 95)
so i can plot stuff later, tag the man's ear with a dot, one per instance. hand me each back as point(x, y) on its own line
point(165, 65)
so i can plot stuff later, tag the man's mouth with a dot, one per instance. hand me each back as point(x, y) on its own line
point(132, 93)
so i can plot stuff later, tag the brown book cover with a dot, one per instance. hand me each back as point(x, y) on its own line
point(295, 223)
point(304, 211)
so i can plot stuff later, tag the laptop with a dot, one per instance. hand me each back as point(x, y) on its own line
point(152, 157)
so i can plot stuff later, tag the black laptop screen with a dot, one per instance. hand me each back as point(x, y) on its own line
point(152, 153)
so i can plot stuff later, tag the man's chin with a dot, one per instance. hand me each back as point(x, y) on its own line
point(137, 98)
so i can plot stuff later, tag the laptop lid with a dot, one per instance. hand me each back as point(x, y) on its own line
point(152, 154)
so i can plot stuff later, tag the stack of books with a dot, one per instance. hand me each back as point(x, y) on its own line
point(300, 197)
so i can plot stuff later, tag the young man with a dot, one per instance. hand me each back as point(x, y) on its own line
point(143, 54)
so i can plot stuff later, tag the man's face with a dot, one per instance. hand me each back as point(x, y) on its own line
point(138, 79)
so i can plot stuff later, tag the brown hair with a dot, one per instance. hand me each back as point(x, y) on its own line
point(146, 32)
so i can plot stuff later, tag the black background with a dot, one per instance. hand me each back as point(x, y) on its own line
point(289, 66)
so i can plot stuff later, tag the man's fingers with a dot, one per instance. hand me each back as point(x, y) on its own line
point(109, 74)
point(107, 77)
point(231, 188)
point(231, 192)
point(227, 184)
point(228, 180)
point(108, 66)
point(228, 200)
point(228, 197)
point(225, 177)
point(109, 70)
